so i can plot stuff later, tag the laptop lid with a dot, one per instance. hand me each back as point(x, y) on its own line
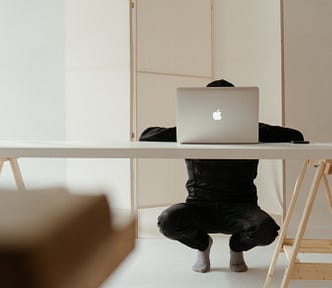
point(215, 115)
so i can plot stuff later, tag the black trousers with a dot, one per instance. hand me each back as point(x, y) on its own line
point(190, 224)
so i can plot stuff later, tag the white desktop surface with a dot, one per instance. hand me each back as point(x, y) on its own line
point(71, 149)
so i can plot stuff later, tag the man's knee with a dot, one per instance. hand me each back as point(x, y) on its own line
point(169, 220)
point(165, 223)
point(260, 233)
point(268, 231)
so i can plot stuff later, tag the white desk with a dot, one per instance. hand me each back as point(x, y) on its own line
point(61, 149)
point(314, 151)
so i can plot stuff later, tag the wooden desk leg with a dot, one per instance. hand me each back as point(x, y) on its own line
point(133, 195)
point(288, 217)
point(303, 224)
point(17, 174)
point(327, 192)
point(1, 164)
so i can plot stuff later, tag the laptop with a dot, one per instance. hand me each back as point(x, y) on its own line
point(217, 115)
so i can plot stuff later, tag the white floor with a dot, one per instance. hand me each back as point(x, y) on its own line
point(160, 262)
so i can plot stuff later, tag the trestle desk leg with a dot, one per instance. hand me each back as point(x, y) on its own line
point(17, 174)
point(327, 192)
point(303, 223)
point(1, 164)
point(285, 224)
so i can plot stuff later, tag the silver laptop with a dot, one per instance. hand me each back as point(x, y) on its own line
point(217, 115)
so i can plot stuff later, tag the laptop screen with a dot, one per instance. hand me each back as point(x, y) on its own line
point(217, 115)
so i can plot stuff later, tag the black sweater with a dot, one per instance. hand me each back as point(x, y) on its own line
point(223, 180)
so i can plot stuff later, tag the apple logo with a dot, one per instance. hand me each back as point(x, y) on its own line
point(217, 115)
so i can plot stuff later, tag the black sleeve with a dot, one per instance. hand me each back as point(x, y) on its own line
point(159, 134)
point(269, 133)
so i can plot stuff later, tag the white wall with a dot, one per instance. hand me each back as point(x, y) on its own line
point(32, 84)
point(64, 74)
point(98, 91)
point(308, 102)
point(248, 53)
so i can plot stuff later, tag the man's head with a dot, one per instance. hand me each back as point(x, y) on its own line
point(220, 83)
